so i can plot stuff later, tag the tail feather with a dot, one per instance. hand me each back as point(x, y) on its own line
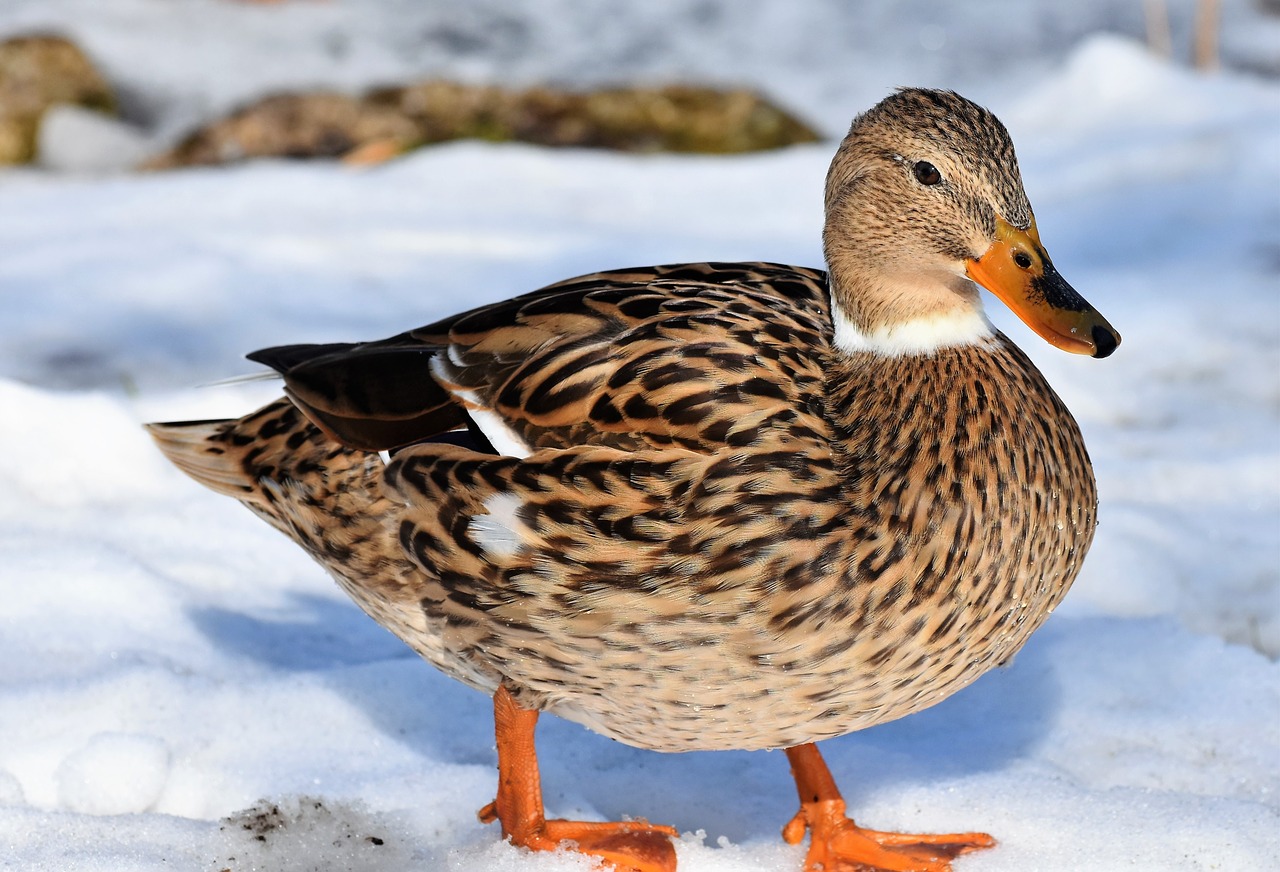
point(325, 496)
point(199, 449)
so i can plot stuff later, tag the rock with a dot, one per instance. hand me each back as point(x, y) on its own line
point(37, 72)
point(291, 125)
point(677, 118)
point(441, 110)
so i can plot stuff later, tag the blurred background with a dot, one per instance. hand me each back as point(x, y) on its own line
point(164, 68)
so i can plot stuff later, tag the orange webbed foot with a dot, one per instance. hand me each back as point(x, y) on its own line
point(837, 844)
point(628, 846)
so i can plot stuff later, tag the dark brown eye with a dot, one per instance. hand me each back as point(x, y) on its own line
point(926, 173)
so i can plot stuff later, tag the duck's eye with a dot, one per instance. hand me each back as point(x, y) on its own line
point(1022, 259)
point(926, 173)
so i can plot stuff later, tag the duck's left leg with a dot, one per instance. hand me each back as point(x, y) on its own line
point(836, 843)
point(629, 846)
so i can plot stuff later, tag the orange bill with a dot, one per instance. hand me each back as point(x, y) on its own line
point(1017, 269)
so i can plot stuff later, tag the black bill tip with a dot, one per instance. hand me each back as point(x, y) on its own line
point(1104, 341)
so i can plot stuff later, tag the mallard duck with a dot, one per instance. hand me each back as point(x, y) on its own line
point(711, 505)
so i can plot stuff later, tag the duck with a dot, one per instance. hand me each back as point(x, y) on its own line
point(711, 506)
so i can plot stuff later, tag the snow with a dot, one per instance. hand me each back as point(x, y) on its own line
point(167, 661)
point(114, 774)
point(77, 140)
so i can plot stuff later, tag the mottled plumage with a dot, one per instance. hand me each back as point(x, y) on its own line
point(710, 506)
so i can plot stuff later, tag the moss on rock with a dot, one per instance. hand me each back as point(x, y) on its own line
point(676, 118)
point(36, 72)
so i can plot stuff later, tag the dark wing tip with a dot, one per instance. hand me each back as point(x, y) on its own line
point(283, 358)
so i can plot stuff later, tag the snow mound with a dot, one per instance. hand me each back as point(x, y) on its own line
point(72, 139)
point(1109, 80)
point(115, 773)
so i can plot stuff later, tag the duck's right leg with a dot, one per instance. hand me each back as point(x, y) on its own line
point(629, 846)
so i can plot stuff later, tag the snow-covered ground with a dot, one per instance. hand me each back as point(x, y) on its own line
point(166, 660)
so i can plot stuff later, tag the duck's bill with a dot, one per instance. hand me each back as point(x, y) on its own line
point(1017, 269)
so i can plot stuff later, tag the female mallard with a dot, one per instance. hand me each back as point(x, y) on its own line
point(718, 505)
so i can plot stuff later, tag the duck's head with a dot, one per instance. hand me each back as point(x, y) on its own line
point(923, 199)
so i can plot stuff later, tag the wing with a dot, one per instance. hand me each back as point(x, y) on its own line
point(698, 356)
point(666, 468)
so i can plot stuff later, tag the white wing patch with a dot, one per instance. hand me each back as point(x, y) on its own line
point(455, 357)
point(498, 531)
point(918, 336)
point(505, 440)
point(500, 435)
